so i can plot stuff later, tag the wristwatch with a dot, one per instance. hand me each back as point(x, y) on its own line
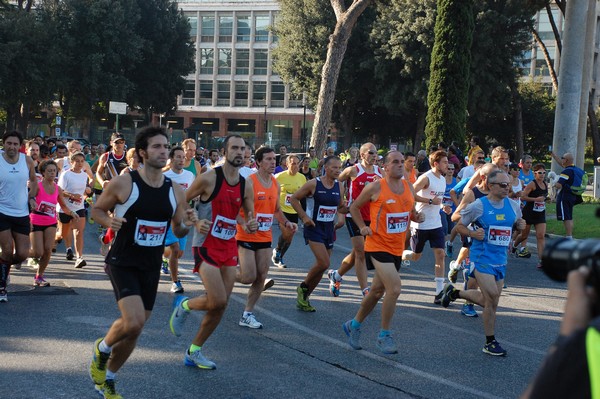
point(430, 201)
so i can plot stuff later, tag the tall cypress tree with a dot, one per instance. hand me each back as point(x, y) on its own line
point(449, 72)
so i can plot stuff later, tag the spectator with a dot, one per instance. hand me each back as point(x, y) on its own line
point(422, 163)
point(565, 201)
point(474, 143)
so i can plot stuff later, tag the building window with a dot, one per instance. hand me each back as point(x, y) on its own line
point(261, 58)
point(207, 29)
point(241, 94)
point(277, 94)
point(261, 28)
point(193, 21)
point(224, 61)
point(259, 94)
point(242, 62)
point(295, 100)
point(206, 92)
point(189, 93)
point(225, 29)
point(207, 61)
point(223, 93)
point(243, 28)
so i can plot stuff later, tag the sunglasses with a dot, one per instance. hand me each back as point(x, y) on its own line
point(541, 173)
point(371, 152)
point(501, 185)
point(480, 157)
point(120, 142)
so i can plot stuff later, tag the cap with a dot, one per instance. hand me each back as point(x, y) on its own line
point(116, 136)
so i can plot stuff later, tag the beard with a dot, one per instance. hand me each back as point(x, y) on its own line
point(236, 162)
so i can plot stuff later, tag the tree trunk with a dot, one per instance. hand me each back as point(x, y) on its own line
point(547, 59)
point(338, 42)
point(420, 129)
point(594, 132)
point(554, 29)
point(518, 109)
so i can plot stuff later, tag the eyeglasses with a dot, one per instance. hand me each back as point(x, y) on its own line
point(120, 142)
point(501, 185)
point(541, 173)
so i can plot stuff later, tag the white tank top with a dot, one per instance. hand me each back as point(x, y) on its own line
point(13, 187)
point(436, 189)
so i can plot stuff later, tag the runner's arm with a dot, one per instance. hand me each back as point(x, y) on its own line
point(306, 190)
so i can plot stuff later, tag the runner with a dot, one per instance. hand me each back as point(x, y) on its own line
point(495, 214)
point(144, 203)
point(392, 204)
point(17, 171)
point(189, 146)
point(216, 256)
point(289, 182)
point(175, 246)
point(254, 249)
point(360, 175)
point(111, 163)
point(319, 224)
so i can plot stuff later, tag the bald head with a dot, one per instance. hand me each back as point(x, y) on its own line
point(568, 158)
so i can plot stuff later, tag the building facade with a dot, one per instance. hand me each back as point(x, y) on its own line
point(234, 89)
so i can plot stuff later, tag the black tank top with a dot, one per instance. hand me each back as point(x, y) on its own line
point(148, 212)
point(477, 193)
point(536, 192)
point(114, 165)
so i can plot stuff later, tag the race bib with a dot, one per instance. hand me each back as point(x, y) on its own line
point(223, 228)
point(499, 235)
point(447, 201)
point(397, 222)
point(326, 213)
point(47, 208)
point(149, 233)
point(265, 221)
point(539, 206)
point(287, 199)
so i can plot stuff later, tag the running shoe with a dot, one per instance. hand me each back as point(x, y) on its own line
point(524, 253)
point(454, 269)
point(539, 265)
point(164, 268)
point(268, 284)
point(353, 335)
point(108, 390)
point(302, 301)
point(98, 365)
point(334, 286)
point(104, 247)
point(178, 316)
point(407, 253)
point(387, 345)
point(40, 282)
point(176, 287)
point(276, 258)
point(437, 299)
point(449, 249)
point(448, 294)
point(366, 291)
point(3, 295)
point(468, 310)
point(70, 255)
point(281, 264)
point(197, 359)
point(17, 266)
point(34, 263)
point(250, 322)
point(493, 348)
point(405, 263)
point(79, 263)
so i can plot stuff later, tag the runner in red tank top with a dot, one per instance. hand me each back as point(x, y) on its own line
point(222, 187)
point(360, 176)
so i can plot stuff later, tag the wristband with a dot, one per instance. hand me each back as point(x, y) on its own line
point(430, 201)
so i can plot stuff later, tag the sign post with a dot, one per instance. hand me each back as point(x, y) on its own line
point(597, 182)
point(117, 108)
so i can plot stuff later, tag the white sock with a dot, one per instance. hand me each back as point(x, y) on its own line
point(102, 347)
point(337, 276)
point(439, 284)
point(110, 375)
point(246, 314)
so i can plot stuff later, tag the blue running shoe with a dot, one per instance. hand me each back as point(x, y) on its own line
point(449, 249)
point(468, 310)
point(178, 316)
point(387, 345)
point(198, 360)
point(353, 335)
point(164, 267)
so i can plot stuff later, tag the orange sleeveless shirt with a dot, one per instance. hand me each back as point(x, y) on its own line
point(265, 202)
point(390, 215)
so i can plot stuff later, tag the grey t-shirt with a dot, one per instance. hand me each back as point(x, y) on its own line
point(204, 212)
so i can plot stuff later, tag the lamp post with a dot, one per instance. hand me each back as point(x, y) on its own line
point(266, 119)
point(304, 138)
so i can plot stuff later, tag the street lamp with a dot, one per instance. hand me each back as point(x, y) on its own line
point(304, 135)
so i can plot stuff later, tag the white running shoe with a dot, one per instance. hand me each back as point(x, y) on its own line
point(250, 322)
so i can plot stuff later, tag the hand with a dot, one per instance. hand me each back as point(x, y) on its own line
point(291, 226)
point(308, 222)
point(74, 215)
point(580, 297)
point(478, 234)
point(436, 201)
point(366, 231)
point(203, 226)
point(116, 223)
point(447, 210)
point(418, 217)
point(521, 224)
point(251, 223)
point(540, 199)
point(191, 217)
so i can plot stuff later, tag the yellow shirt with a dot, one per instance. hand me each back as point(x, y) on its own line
point(289, 185)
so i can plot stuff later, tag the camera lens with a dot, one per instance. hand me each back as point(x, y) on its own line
point(563, 255)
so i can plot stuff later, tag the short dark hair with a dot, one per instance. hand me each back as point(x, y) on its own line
point(231, 136)
point(409, 154)
point(539, 166)
point(475, 140)
point(61, 147)
point(172, 152)
point(13, 133)
point(44, 165)
point(260, 153)
point(142, 138)
point(331, 158)
point(211, 151)
point(44, 150)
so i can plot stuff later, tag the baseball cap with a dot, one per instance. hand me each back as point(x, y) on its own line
point(116, 136)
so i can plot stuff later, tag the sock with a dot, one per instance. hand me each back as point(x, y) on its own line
point(384, 333)
point(355, 324)
point(246, 314)
point(337, 276)
point(284, 247)
point(37, 276)
point(185, 305)
point(489, 338)
point(279, 244)
point(439, 284)
point(110, 375)
point(103, 347)
point(69, 248)
point(194, 348)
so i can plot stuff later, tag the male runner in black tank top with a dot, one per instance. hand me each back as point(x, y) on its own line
point(145, 202)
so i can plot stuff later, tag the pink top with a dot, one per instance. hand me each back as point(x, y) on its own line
point(45, 212)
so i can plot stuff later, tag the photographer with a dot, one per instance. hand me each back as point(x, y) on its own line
point(575, 356)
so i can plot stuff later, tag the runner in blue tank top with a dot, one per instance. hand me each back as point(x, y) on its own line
point(319, 224)
point(496, 215)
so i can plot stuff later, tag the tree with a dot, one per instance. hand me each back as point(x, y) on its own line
point(167, 56)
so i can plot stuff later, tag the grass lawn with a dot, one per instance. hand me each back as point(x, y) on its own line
point(586, 224)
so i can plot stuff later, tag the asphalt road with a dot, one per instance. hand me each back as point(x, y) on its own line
point(46, 337)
